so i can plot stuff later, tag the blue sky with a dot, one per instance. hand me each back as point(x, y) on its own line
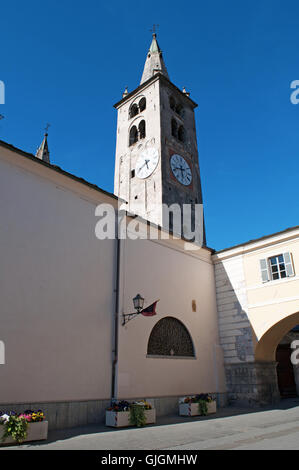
point(67, 62)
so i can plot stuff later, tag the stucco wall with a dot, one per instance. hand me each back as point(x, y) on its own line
point(272, 301)
point(165, 271)
point(56, 287)
point(58, 300)
point(270, 308)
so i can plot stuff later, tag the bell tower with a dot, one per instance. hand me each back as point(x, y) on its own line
point(156, 150)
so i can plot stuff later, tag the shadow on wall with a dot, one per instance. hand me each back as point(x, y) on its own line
point(236, 334)
point(250, 364)
point(249, 381)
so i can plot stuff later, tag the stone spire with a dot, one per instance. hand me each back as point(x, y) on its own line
point(43, 150)
point(154, 62)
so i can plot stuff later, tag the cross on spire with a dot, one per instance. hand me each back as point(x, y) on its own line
point(154, 61)
point(154, 29)
point(47, 127)
point(43, 150)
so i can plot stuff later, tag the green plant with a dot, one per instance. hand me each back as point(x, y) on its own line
point(15, 427)
point(137, 415)
point(203, 407)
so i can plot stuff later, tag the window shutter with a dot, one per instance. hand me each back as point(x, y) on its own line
point(288, 264)
point(264, 270)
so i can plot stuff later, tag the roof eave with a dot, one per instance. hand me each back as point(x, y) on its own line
point(56, 168)
point(257, 240)
point(155, 77)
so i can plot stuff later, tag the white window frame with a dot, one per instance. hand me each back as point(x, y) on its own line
point(277, 264)
point(266, 270)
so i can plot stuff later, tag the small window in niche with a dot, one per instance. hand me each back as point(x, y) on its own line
point(179, 110)
point(142, 104)
point(133, 135)
point(133, 111)
point(181, 134)
point(172, 102)
point(174, 128)
point(141, 129)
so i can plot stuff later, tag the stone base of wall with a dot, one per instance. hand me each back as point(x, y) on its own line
point(252, 384)
point(167, 406)
point(62, 415)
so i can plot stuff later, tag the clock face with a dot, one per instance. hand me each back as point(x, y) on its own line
point(181, 169)
point(147, 162)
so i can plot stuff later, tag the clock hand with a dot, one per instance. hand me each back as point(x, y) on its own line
point(142, 167)
point(177, 168)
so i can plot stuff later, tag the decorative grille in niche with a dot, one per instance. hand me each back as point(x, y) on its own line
point(170, 337)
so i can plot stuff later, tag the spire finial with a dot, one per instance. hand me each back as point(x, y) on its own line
point(185, 91)
point(154, 30)
point(43, 150)
point(46, 128)
point(154, 62)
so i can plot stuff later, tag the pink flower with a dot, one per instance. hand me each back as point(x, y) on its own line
point(27, 417)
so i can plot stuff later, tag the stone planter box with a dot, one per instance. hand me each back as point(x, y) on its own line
point(120, 419)
point(191, 409)
point(35, 432)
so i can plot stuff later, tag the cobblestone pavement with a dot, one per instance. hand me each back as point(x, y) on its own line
point(230, 428)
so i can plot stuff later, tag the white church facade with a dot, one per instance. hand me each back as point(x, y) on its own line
point(220, 317)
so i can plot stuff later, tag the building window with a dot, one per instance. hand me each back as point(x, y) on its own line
point(133, 111)
point(142, 104)
point(137, 134)
point(181, 134)
point(141, 129)
point(276, 267)
point(179, 109)
point(172, 103)
point(133, 135)
point(174, 128)
point(176, 107)
point(136, 109)
point(170, 338)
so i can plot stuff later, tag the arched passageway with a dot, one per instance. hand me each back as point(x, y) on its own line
point(265, 349)
point(277, 346)
point(285, 371)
